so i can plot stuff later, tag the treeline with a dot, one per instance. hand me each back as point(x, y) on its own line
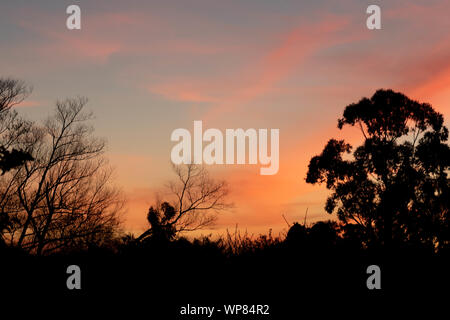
point(57, 195)
point(307, 266)
point(59, 207)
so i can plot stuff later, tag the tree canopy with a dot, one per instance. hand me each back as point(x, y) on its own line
point(395, 185)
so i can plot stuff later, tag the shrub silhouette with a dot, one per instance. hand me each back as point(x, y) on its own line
point(323, 234)
point(297, 234)
point(160, 220)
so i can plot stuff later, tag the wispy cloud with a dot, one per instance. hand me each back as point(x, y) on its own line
point(29, 104)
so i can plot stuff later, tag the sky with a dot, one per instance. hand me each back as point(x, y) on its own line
point(150, 67)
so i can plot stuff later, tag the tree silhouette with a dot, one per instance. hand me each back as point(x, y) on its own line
point(64, 197)
point(160, 219)
point(195, 199)
point(12, 92)
point(394, 186)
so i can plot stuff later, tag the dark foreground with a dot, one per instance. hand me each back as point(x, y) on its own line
point(158, 284)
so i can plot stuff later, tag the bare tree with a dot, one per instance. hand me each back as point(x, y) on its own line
point(12, 92)
point(195, 200)
point(64, 197)
point(12, 126)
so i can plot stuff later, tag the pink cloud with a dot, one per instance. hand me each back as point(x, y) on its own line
point(104, 34)
point(93, 41)
point(28, 103)
point(427, 11)
point(292, 51)
point(183, 91)
point(228, 92)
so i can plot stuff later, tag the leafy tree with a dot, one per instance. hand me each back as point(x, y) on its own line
point(395, 186)
point(160, 219)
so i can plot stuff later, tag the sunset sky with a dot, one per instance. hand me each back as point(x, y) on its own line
point(149, 67)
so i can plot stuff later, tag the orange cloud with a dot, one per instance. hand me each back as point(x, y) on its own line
point(439, 84)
